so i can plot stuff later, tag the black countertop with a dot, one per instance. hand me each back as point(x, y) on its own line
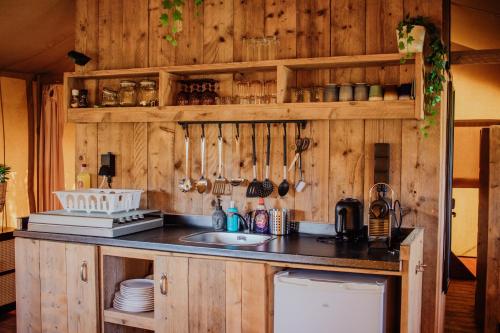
point(296, 248)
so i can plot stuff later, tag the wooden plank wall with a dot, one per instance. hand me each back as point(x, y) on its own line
point(122, 34)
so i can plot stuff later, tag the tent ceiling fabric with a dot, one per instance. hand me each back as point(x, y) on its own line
point(36, 35)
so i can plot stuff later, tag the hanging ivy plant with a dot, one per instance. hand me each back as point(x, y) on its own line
point(172, 17)
point(435, 61)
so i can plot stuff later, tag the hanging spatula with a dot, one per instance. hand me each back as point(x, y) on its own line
point(219, 187)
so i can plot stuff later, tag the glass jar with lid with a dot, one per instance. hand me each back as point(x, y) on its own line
point(148, 94)
point(127, 93)
point(109, 97)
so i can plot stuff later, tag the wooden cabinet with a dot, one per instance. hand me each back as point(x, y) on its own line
point(199, 295)
point(56, 287)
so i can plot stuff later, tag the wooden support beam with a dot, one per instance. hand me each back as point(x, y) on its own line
point(476, 57)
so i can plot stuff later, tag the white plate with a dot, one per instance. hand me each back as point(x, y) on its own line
point(126, 309)
point(134, 302)
point(133, 306)
point(138, 284)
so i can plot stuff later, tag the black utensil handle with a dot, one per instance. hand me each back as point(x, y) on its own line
point(268, 152)
point(284, 144)
point(254, 151)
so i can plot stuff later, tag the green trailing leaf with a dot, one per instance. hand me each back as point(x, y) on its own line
point(435, 61)
point(172, 16)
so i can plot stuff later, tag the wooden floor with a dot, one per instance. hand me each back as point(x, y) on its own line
point(459, 315)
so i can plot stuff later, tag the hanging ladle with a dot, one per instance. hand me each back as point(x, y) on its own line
point(237, 181)
point(284, 186)
point(203, 183)
point(185, 184)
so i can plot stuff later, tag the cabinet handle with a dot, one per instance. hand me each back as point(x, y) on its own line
point(83, 272)
point(420, 267)
point(163, 284)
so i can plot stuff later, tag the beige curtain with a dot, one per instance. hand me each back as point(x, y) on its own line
point(50, 148)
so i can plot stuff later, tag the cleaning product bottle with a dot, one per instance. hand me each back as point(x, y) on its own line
point(261, 218)
point(219, 218)
point(233, 221)
point(83, 178)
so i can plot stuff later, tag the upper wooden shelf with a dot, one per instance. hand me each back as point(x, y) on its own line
point(263, 65)
point(285, 78)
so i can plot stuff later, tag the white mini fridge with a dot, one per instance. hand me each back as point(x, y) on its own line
point(327, 302)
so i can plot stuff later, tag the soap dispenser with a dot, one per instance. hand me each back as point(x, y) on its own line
point(233, 221)
point(219, 218)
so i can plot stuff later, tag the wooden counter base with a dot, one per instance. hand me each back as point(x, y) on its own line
point(69, 287)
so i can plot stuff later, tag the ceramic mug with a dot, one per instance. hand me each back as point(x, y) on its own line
point(405, 91)
point(346, 92)
point(361, 92)
point(375, 93)
point(330, 93)
point(390, 93)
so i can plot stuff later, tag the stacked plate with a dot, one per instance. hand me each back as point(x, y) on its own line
point(136, 295)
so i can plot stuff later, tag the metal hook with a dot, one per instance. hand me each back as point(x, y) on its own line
point(268, 129)
point(186, 130)
point(253, 129)
point(220, 130)
point(298, 130)
point(237, 131)
point(203, 130)
point(284, 129)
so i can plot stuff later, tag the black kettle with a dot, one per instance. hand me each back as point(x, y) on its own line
point(349, 219)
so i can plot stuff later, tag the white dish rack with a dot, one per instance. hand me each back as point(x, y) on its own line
point(100, 200)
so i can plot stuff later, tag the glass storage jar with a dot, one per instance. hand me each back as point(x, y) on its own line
point(109, 97)
point(148, 94)
point(127, 93)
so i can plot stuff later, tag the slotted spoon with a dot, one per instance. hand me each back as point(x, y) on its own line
point(202, 185)
point(284, 186)
point(255, 187)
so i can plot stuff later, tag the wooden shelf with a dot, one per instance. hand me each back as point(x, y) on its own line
point(285, 111)
point(144, 320)
point(285, 78)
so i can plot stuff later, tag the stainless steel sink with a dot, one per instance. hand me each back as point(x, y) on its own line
point(227, 238)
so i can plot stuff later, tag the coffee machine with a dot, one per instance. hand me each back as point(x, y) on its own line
point(349, 219)
point(381, 198)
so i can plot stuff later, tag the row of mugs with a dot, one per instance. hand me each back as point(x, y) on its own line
point(352, 92)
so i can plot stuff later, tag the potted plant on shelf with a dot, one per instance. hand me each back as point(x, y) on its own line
point(4, 172)
point(411, 32)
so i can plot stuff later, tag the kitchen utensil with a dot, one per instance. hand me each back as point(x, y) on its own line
point(301, 145)
point(185, 184)
point(267, 185)
point(219, 187)
point(279, 223)
point(255, 187)
point(301, 184)
point(284, 186)
point(239, 180)
point(349, 219)
point(203, 183)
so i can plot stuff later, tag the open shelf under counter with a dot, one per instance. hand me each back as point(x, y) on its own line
point(249, 112)
point(144, 320)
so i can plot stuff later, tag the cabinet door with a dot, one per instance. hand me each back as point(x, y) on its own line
point(81, 286)
point(171, 294)
point(68, 287)
point(207, 296)
point(28, 286)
